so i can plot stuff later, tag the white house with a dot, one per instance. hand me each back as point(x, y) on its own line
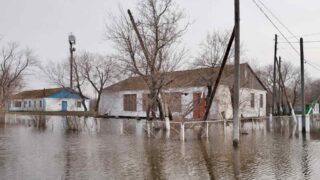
point(187, 89)
point(56, 99)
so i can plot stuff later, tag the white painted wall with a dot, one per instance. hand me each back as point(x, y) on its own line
point(112, 102)
point(48, 104)
point(27, 105)
point(55, 104)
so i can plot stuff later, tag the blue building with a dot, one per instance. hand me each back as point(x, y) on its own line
point(56, 99)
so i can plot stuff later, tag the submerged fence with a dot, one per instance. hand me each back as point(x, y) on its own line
point(180, 127)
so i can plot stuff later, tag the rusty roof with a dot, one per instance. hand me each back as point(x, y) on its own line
point(39, 93)
point(189, 78)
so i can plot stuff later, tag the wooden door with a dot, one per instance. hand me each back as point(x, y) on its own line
point(199, 106)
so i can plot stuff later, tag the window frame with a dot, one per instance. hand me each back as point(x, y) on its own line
point(16, 104)
point(79, 102)
point(130, 102)
point(261, 100)
point(252, 100)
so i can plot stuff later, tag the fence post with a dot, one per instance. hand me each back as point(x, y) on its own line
point(207, 130)
point(148, 129)
point(182, 131)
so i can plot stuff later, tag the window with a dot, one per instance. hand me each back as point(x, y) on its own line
point(17, 104)
point(261, 100)
point(34, 103)
point(130, 102)
point(40, 103)
point(78, 104)
point(29, 104)
point(252, 100)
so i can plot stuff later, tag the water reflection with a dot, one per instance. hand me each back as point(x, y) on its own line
point(69, 147)
point(305, 161)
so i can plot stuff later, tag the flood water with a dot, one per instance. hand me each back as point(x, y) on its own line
point(54, 147)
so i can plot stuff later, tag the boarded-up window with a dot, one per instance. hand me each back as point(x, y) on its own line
point(130, 102)
point(252, 100)
point(261, 100)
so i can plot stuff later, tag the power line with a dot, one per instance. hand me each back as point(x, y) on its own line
point(307, 35)
point(315, 66)
point(265, 14)
point(316, 41)
point(293, 35)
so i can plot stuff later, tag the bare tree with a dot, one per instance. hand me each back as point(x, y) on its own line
point(58, 73)
point(148, 45)
point(291, 79)
point(99, 71)
point(79, 81)
point(213, 49)
point(14, 64)
point(215, 52)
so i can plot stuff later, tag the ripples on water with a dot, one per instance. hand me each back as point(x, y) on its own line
point(53, 147)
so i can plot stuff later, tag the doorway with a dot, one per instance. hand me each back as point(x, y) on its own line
point(64, 105)
point(199, 105)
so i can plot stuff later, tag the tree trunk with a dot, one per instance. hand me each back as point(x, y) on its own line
point(96, 108)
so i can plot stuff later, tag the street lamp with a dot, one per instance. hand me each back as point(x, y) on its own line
point(72, 41)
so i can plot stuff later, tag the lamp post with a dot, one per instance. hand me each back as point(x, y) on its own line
point(72, 41)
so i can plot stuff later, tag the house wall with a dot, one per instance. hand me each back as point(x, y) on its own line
point(55, 104)
point(48, 104)
point(27, 105)
point(112, 102)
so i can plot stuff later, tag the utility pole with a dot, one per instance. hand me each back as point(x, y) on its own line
point(302, 87)
point(236, 75)
point(280, 95)
point(72, 41)
point(274, 74)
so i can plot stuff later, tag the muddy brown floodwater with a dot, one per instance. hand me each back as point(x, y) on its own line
point(55, 147)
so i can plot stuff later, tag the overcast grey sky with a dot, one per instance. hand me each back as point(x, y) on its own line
point(43, 25)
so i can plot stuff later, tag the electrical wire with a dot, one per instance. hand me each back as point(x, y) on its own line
point(265, 14)
point(316, 41)
point(315, 66)
point(293, 35)
point(307, 35)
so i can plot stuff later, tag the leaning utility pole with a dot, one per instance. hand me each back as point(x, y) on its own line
point(274, 75)
point(236, 75)
point(302, 87)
